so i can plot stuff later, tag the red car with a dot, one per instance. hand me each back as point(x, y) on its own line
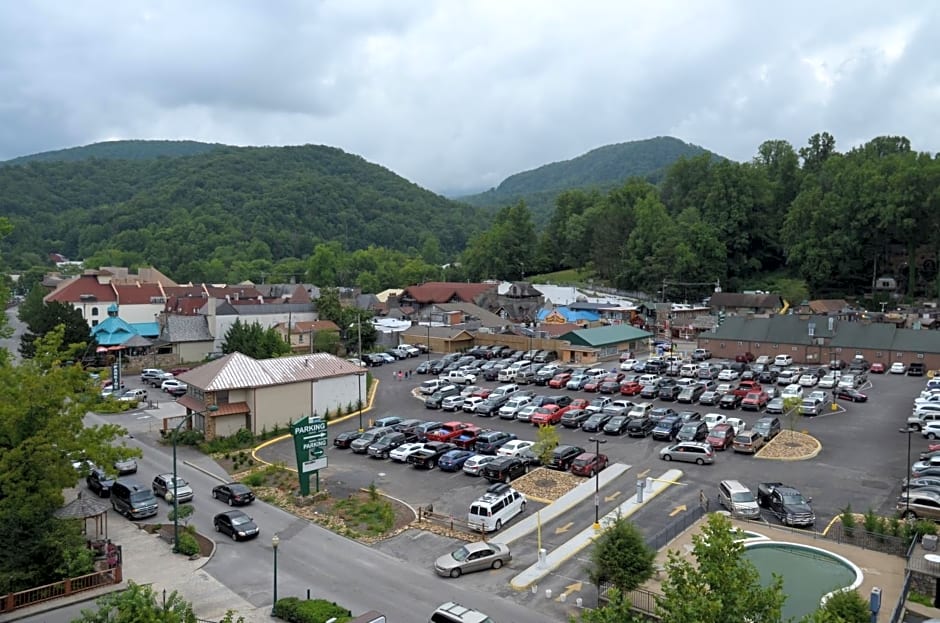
point(594, 385)
point(560, 380)
point(721, 437)
point(483, 392)
point(546, 415)
point(580, 403)
point(630, 388)
point(588, 464)
point(877, 368)
point(450, 431)
point(755, 401)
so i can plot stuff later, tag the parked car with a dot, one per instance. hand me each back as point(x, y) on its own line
point(475, 464)
point(236, 524)
point(233, 493)
point(402, 452)
point(596, 422)
point(689, 452)
point(381, 448)
point(721, 437)
point(563, 456)
point(897, 368)
point(769, 427)
point(616, 425)
point(667, 428)
point(588, 464)
point(639, 427)
point(472, 557)
point(574, 418)
point(877, 368)
point(515, 447)
point(99, 482)
point(748, 442)
point(729, 401)
point(490, 441)
point(755, 401)
point(454, 460)
point(505, 469)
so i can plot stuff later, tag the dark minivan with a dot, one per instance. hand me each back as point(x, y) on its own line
point(132, 499)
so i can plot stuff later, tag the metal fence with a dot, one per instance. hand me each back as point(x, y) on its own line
point(63, 588)
point(671, 531)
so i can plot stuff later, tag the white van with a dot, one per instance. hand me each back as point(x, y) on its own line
point(432, 385)
point(688, 371)
point(497, 506)
point(509, 372)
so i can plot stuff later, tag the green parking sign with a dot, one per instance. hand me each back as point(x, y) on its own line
point(310, 444)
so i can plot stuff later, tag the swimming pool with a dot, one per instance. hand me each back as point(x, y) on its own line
point(809, 573)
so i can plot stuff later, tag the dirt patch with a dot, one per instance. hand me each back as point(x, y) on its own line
point(546, 484)
point(790, 445)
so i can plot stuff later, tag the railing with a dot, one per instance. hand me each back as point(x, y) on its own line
point(899, 609)
point(674, 529)
point(884, 543)
point(62, 588)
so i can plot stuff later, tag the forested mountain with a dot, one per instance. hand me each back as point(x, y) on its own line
point(197, 217)
point(812, 221)
point(120, 150)
point(603, 169)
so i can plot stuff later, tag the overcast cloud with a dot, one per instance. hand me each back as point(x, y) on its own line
point(457, 95)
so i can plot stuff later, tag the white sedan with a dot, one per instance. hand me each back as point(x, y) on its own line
point(628, 365)
point(829, 381)
point(897, 368)
point(169, 384)
point(402, 452)
point(808, 380)
point(514, 447)
point(736, 423)
point(728, 374)
point(714, 419)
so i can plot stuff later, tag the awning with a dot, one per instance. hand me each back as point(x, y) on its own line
point(228, 408)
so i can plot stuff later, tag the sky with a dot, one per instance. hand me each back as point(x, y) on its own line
point(457, 95)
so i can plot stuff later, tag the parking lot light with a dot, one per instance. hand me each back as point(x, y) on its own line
point(597, 483)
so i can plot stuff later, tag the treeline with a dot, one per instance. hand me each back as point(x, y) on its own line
point(224, 216)
point(833, 220)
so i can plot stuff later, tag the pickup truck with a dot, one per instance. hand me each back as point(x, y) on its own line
point(428, 456)
point(449, 431)
point(744, 388)
point(786, 503)
point(701, 354)
point(460, 377)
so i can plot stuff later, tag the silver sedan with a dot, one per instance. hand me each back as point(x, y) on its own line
point(473, 557)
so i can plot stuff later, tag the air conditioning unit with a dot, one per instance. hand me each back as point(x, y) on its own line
point(929, 542)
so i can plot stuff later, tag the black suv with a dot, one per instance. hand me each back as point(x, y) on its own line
point(99, 482)
point(504, 469)
point(729, 401)
point(563, 456)
point(562, 400)
point(669, 392)
point(640, 427)
point(490, 406)
point(489, 441)
point(693, 431)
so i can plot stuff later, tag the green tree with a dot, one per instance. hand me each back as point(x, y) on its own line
point(720, 584)
point(139, 604)
point(254, 341)
point(621, 557)
point(41, 434)
point(619, 609)
point(50, 316)
point(842, 607)
point(546, 440)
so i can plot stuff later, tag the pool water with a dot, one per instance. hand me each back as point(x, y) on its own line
point(808, 573)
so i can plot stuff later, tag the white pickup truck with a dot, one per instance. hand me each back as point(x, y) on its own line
point(460, 377)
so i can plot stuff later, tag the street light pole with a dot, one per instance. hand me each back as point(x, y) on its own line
point(597, 483)
point(275, 541)
point(429, 337)
point(175, 499)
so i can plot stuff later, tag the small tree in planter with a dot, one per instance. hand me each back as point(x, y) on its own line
point(848, 521)
point(182, 513)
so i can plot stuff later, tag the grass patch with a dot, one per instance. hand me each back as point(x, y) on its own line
point(570, 276)
point(372, 517)
point(917, 598)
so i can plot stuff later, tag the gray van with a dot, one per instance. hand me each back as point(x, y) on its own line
point(738, 499)
point(768, 427)
point(132, 499)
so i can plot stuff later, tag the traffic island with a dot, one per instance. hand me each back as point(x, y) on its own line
point(790, 445)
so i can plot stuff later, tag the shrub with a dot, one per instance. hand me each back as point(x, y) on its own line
point(295, 610)
point(255, 479)
point(848, 521)
point(848, 606)
point(871, 521)
point(188, 544)
point(327, 416)
point(350, 408)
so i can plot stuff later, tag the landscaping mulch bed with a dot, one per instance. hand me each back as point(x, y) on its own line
point(165, 531)
point(790, 445)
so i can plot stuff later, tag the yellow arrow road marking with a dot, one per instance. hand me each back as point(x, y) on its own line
point(643, 474)
point(571, 588)
point(678, 510)
point(613, 496)
point(564, 528)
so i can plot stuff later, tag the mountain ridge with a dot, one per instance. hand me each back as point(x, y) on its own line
point(131, 149)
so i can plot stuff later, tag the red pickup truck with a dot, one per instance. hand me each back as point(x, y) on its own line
point(744, 388)
point(449, 431)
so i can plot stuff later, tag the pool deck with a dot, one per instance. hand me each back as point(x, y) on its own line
point(882, 570)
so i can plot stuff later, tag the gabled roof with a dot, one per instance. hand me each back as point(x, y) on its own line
point(603, 336)
point(288, 292)
point(112, 331)
point(828, 306)
point(238, 371)
point(314, 325)
point(85, 288)
point(876, 336)
point(789, 329)
point(444, 292)
point(421, 332)
point(554, 330)
point(767, 302)
point(138, 294)
point(178, 329)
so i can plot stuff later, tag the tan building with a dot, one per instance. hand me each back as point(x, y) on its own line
point(265, 394)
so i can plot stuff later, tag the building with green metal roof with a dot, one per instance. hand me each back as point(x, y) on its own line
point(609, 340)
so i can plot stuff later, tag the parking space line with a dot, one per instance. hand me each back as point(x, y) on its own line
point(561, 505)
point(570, 548)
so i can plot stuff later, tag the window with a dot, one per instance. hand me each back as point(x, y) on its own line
point(94, 323)
point(879, 354)
point(740, 343)
point(722, 345)
point(94, 311)
point(300, 338)
point(757, 345)
point(775, 346)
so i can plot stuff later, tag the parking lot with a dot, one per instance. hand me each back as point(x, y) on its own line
point(862, 462)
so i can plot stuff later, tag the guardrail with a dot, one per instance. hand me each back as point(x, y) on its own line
point(62, 588)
